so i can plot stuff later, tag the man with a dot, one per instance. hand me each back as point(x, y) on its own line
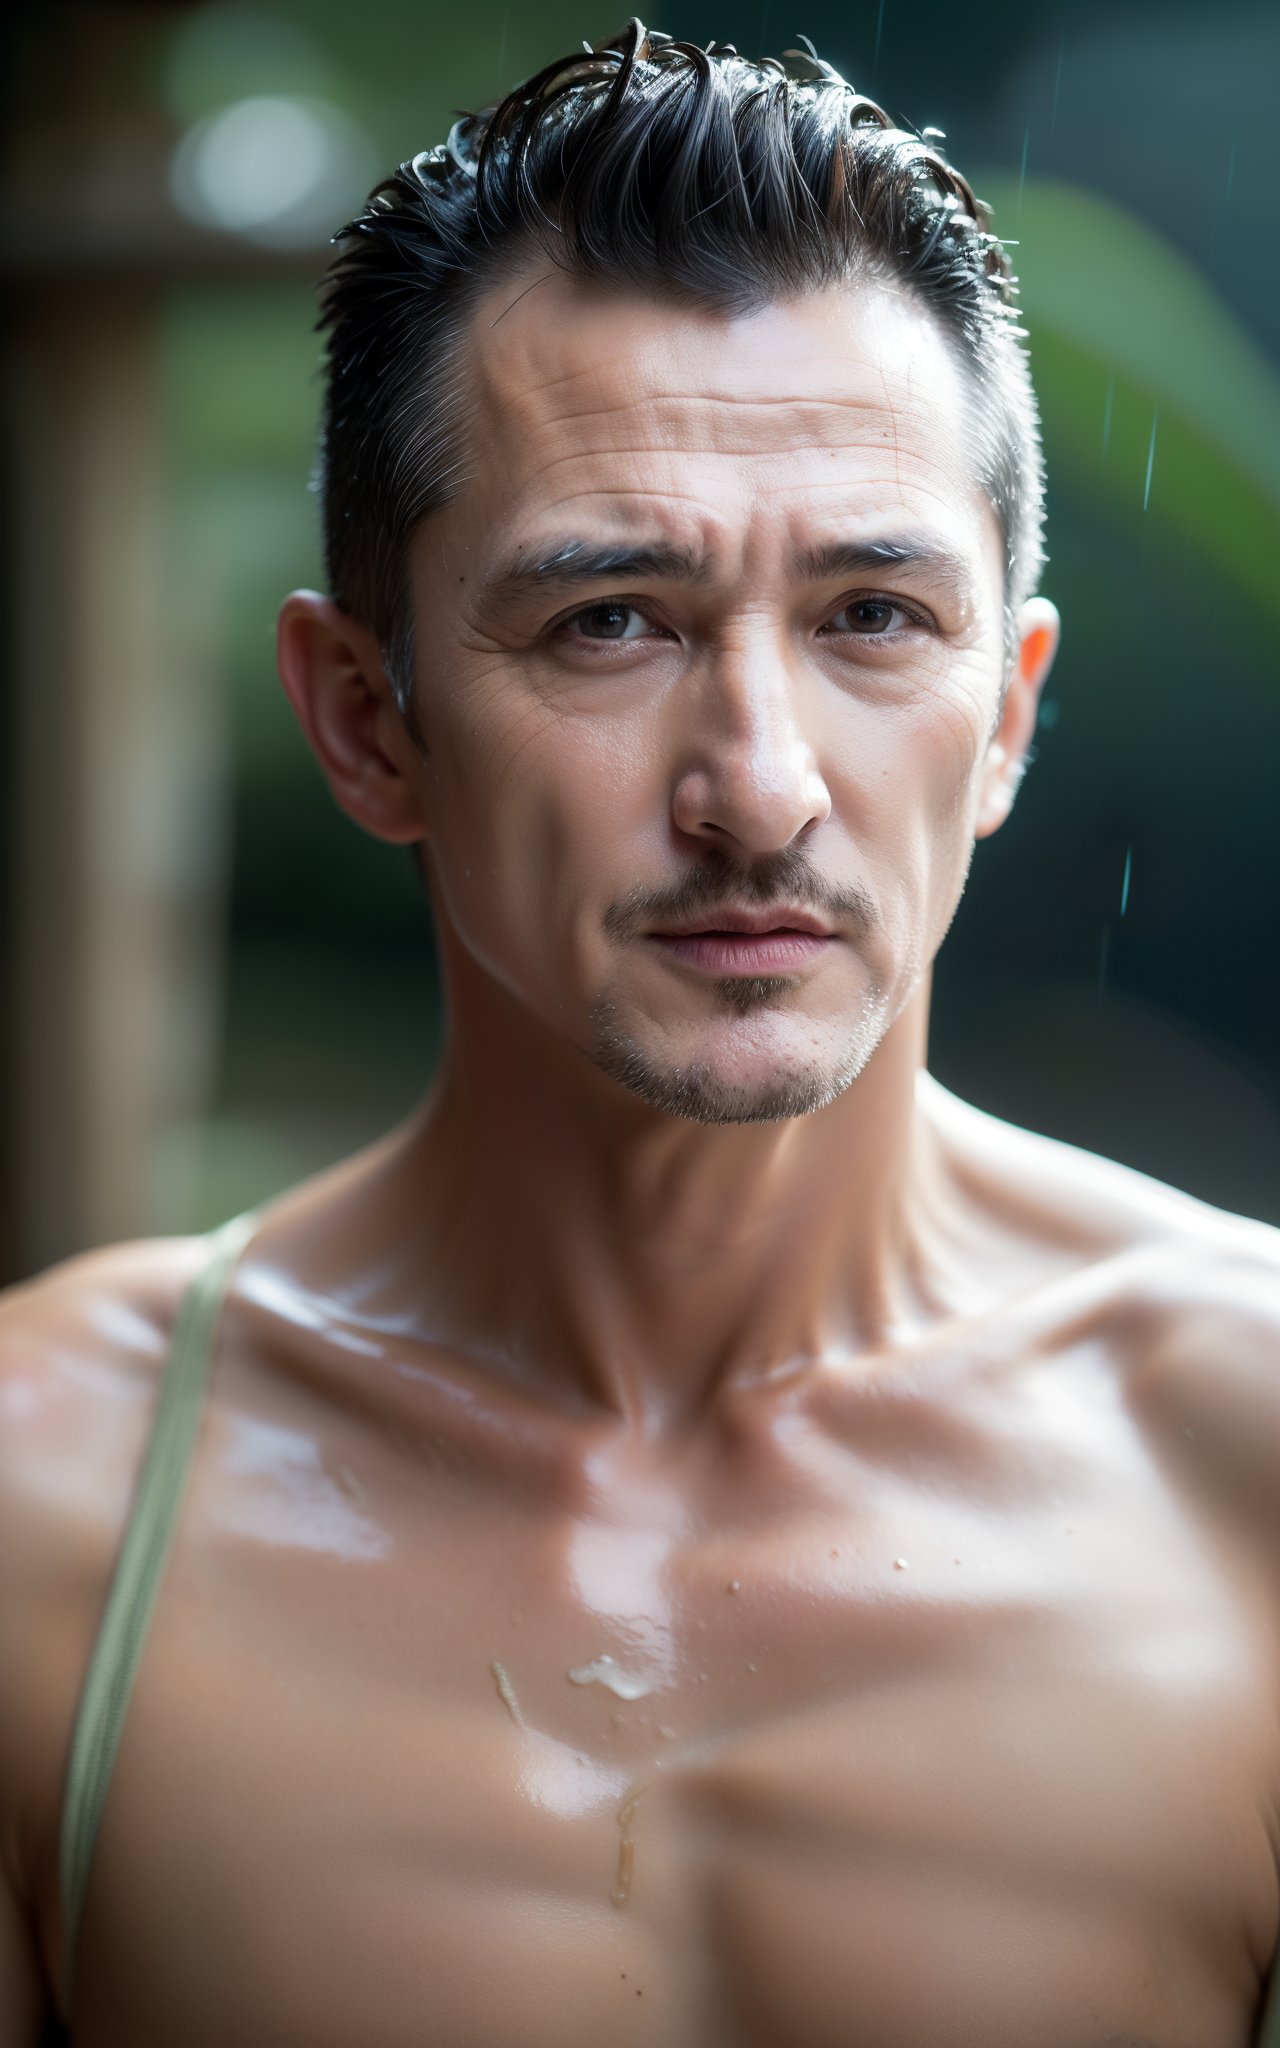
point(699, 1537)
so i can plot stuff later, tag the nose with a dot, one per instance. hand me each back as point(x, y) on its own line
point(748, 775)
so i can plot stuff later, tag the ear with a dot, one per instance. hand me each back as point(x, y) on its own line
point(333, 676)
point(1039, 631)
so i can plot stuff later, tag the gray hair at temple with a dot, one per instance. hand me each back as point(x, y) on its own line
point(655, 166)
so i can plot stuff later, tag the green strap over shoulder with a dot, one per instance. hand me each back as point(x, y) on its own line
point(135, 1583)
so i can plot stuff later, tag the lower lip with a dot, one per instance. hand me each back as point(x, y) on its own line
point(744, 952)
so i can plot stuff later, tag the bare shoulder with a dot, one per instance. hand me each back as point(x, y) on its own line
point(1189, 1293)
point(82, 1347)
point(1207, 1370)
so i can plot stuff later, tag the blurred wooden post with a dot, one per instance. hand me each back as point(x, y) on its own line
point(114, 790)
point(95, 827)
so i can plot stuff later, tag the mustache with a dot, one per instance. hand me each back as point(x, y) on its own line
point(717, 882)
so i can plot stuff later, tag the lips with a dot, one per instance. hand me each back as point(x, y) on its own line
point(754, 923)
point(731, 953)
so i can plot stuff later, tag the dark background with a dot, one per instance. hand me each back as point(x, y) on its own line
point(216, 984)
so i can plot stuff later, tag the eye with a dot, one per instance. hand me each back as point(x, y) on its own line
point(870, 617)
point(612, 620)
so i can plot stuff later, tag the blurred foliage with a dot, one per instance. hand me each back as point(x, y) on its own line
point(244, 373)
point(1138, 362)
point(244, 402)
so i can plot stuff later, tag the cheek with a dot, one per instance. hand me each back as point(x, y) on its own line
point(910, 799)
point(536, 816)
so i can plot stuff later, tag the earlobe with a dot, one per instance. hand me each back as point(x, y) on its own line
point(333, 675)
point(1039, 630)
point(997, 792)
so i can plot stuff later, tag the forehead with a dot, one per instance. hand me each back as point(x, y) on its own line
point(604, 411)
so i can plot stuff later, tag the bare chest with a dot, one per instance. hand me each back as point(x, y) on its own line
point(928, 1766)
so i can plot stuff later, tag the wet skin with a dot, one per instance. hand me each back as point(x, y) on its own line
point(918, 1478)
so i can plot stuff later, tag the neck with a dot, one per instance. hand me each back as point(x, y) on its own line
point(610, 1254)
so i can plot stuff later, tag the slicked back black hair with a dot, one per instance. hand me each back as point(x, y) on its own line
point(657, 167)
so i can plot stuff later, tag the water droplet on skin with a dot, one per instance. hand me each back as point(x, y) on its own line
point(507, 1694)
point(624, 1685)
point(626, 1869)
point(753, 1667)
point(626, 1848)
point(668, 1734)
point(900, 1564)
point(734, 1586)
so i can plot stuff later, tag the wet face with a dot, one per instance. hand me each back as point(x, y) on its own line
point(713, 627)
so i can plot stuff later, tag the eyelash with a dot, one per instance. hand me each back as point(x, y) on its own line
point(917, 618)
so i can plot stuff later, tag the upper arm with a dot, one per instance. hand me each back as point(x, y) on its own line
point(1205, 1383)
point(79, 1350)
point(34, 1431)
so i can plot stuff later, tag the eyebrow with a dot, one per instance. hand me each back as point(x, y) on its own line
point(913, 552)
point(573, 561)
point(578, 561)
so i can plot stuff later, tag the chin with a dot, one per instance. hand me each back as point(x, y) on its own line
point(761, 1076)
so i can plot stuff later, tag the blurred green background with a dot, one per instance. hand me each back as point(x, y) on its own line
point(1113, 975)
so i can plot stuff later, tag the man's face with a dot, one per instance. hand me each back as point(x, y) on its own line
point(745, 718)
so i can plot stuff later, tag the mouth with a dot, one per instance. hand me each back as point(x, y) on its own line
point(753, 923)
point(777, 949)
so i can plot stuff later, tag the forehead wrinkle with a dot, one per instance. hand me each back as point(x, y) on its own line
point(704, 509)
point(642, 390)
point(915, 479)
point(927, 470)
point(659, 346)
point(657, 405)
point(524, 370)
point(639, 511)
